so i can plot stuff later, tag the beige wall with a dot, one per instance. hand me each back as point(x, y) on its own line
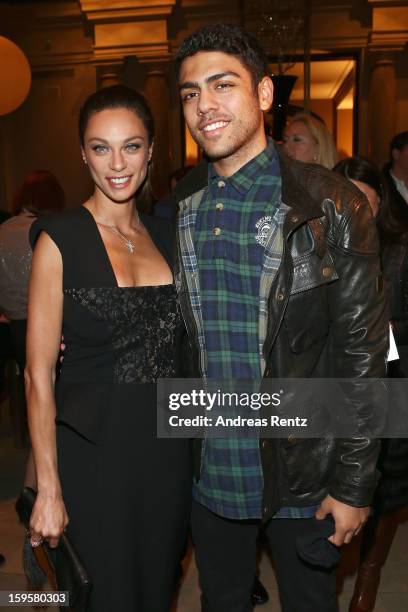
point(324, 108)
point(345, 133)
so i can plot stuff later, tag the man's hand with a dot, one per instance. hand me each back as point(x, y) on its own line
point(348, 520)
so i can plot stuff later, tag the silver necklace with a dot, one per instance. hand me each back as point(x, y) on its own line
point(129, 244)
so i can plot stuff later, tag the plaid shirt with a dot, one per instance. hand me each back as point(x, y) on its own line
point(231, 246)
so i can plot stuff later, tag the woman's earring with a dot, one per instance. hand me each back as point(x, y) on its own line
point(85, 160)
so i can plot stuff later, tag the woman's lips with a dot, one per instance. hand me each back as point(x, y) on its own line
point(119, 182)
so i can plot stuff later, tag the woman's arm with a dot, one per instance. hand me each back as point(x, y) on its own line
point(45, 302)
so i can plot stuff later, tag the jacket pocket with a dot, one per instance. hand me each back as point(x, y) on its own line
point(308, 463)
point(307, 316)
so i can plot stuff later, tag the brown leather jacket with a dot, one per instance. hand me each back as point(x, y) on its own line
point(328, 318)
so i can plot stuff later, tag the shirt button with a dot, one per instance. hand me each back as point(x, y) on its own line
point(217, 231)
point(221, 184)
point(264, 443)
point(291, 439)
point(266, 508)
point(327, 271)
point(295, 219)
point(219, 206)
point(280, 297)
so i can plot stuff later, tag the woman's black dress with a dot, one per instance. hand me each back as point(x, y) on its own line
point(127, 493)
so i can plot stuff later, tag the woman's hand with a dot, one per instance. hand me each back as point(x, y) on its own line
point(48, 519)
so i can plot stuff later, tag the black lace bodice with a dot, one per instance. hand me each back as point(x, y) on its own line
point(135, 329)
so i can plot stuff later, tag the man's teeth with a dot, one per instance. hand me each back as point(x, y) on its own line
point(118, 181)
point(215, 126)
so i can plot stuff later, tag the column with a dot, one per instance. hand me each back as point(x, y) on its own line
point(157, 93)
point(382, 106)
point(109, 74)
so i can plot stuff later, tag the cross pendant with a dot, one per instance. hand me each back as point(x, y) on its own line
point(130, 246)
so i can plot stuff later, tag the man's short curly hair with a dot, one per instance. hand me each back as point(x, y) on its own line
point(230, 39)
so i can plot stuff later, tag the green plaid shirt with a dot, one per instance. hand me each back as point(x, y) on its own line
point(231, 247)
point(231, 230)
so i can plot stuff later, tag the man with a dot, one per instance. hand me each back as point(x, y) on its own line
point(396, 175)
point(278, 277)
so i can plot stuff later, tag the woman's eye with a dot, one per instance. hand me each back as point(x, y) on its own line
point(99, 148)
point(132, 146)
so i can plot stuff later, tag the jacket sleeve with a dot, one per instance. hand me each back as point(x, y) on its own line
point(359, 315)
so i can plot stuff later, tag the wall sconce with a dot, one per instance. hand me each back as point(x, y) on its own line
point(15, 76)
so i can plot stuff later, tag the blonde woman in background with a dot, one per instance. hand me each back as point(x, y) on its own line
point(307, 139)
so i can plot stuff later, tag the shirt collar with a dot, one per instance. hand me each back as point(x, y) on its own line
point(245, 177)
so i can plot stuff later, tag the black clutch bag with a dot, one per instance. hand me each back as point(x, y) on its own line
point(60, 565)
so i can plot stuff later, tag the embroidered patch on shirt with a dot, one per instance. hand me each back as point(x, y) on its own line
point(263, 226)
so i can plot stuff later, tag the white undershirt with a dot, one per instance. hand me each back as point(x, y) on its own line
point(401, 187)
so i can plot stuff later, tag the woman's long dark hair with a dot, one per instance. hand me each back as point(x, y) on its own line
point(120, 96)
point(361, 169)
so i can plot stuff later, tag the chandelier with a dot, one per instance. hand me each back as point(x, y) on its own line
point(280, 26)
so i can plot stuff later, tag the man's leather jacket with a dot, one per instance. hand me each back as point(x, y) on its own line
point(327, 318)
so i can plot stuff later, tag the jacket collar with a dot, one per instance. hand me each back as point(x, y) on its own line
point(303, 206)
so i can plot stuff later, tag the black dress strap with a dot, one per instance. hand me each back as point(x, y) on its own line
point(84, 258)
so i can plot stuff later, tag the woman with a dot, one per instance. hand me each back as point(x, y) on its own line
point(392, 492)
point(308, 140)
point(101, 275)
point(39, 194)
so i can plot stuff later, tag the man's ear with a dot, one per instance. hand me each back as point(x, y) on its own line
point(265, 93)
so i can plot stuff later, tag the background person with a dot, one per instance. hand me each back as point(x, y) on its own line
point(391, 496)
point(5, 348)
point(396, 175)
point(165, 207)
point(101, 274)
point(39, 194)
point(5, 341)
point(307, 139)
